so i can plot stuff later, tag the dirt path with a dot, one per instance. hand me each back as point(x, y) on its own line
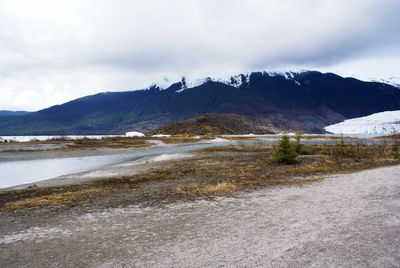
point(346, 220)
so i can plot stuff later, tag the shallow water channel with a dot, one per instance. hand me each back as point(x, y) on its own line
point(13, 173)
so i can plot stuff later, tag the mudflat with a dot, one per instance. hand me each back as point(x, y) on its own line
point(345, 220)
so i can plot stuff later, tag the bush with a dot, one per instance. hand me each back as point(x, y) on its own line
point(342, 149)
point(396, 143)
point(285, 152)
point(396, 150)
point(306, 150)
point(325, 150)
point(298, 142)
point(301, 149)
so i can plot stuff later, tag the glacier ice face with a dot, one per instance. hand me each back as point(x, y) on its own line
point(384, 123)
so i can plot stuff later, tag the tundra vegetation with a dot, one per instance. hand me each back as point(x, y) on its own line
point(86, 142)
point(211, 172)
point(396, 142)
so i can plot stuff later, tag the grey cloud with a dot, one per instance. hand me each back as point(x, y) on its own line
point(80, 47)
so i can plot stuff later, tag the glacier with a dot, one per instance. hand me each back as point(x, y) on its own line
point(383, 123)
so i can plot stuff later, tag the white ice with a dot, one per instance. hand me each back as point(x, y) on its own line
point(384, 123)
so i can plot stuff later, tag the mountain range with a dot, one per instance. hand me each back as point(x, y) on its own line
point(12, 113)
point(307, 101)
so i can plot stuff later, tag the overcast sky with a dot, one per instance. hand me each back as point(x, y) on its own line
point(54, 51)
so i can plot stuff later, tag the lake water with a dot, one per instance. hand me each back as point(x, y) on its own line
point(13, 173)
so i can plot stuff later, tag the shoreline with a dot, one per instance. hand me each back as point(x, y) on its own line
point(139, 166)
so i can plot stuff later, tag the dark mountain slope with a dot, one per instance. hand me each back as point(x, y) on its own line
point(12, 113)
point(308, 100)
point(309, 90)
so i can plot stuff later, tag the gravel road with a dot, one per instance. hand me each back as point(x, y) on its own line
point(346, 220)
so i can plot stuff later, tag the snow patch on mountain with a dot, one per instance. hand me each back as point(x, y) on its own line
point(287, 75)
point(161, 85)
point(234, 81)
point(180, 90)
point(384, 123)
point(188, 83)
point(393, 80)
point(197, 82)
point(237, 80)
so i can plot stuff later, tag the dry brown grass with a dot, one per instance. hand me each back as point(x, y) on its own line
point(309, 169)
point(239, 138)
point(112, 142)
point(240, 148)
point(179, 139)
point(53, 199)
point(197, 189)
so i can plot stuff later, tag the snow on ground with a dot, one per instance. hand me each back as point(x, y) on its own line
point(134, 134)
point(374, 124)
point(241, 135)
point(218, 140)
point(165, 157)
point(156, 142)
point(160, 136)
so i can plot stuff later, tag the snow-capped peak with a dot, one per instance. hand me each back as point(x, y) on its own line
point(235, 81)
point(187, 83)
point(161, 85)
point(197, 82)
point(394, 81)
point(238, 80)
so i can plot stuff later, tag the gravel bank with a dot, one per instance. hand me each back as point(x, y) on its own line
point(347, 220)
